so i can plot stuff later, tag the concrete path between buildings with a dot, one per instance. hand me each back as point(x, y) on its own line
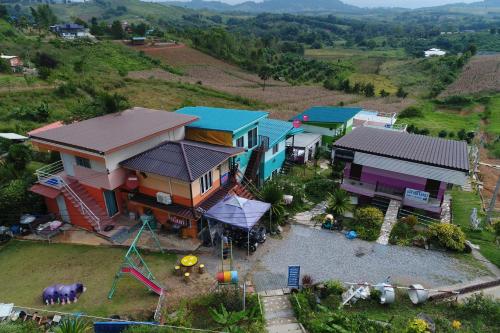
point(306, 218)
point(390, 219)
point(278, 312)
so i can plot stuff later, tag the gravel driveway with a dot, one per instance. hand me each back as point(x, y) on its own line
point(329, 255)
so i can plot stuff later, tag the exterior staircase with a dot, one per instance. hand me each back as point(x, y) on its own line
point(253, 166)
point(242, 192)
point(80, 198)
point(390, 219)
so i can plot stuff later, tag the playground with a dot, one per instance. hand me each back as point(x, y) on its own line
point(29, 267)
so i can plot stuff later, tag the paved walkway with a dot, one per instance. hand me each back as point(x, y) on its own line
point(306, 218)
point(327, 255)
point(278, 312)
point(390, 219)
point(446, 209)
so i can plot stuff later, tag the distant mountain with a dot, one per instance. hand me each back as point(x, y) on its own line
point(272, 6)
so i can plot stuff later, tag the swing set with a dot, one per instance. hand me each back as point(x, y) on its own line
point(134, 265)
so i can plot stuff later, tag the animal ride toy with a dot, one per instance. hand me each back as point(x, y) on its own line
point(62, 294)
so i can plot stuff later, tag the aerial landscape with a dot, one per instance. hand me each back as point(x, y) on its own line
point(249, 166)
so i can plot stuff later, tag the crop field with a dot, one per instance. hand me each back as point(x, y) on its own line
point(280, 98)
point(481, 74)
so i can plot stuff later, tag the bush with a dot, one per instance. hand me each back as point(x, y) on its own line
point(19, 327)
point(417, 326)
point(4, 66)
point(443, 133)
point(447, 235)
point(482, 306)
point(334, 287)
point(368, 221)
point(411, 112)
point(403, 232)
point(66, 90)
point(317, 189)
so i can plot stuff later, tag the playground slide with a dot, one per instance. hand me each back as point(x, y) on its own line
point(139, 276)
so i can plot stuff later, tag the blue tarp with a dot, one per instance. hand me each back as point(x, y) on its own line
point(117, 326)
point(239, 212)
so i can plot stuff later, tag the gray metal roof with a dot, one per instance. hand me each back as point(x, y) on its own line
point(411, 168)
point(184, 160)
point(114, 131)
point(304, 140)
point(449, 154)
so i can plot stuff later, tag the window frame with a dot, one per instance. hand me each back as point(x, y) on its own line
point(242, 143)
point(252, 138)
point(206, 182)
point(83, 162)
point(276, 148)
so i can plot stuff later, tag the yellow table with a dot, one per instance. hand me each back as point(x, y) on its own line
point(189, 261)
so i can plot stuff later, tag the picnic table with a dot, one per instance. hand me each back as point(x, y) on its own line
point(189, 261)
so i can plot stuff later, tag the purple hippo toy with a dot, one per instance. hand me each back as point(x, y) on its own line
point(61, 293)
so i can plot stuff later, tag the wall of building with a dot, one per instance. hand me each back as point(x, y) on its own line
point(69, 162)
point(393, 179)
point(113, 159)
point(153, 184)
point(198, 197)
point(272, 161)
point(76, 216)
point(322, 130)
point(244, 158)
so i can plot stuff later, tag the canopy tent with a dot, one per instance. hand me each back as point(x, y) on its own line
point(238, 212)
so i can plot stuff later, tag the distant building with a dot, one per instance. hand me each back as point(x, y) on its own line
point(138, 40)
point(377, 120)
point(434, 53)
point(71, 31)
point(15, 62)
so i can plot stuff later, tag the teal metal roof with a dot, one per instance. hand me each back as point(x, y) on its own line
point(277, 130)
point(328, 114)
point(219, 119)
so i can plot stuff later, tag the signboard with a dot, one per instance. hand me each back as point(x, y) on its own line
point(417, 195)
point(293, 276)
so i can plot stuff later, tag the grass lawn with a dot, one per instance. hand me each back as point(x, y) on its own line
point(29, 267)
point(462, 205)
point(436, 120)
point(493, 126)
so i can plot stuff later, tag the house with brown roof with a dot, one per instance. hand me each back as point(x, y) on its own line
point(412, 170)
point(83, 187)
point(179, 180)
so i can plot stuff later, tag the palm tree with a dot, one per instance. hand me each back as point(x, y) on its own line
point(273, 194)
point(339, 202)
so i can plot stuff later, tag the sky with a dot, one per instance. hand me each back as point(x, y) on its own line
point(382, 3)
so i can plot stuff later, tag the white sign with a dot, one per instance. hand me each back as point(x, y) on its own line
point(417, 195)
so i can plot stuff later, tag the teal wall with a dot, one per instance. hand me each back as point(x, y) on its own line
point(243, 158)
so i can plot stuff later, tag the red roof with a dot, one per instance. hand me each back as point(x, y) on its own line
point(56, 124)
point(45, 191)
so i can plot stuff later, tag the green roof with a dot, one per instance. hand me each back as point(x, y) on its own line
point(219, 119)
point(277, 130)
point(328, 114)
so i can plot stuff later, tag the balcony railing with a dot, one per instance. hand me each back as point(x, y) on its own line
point(52, 175)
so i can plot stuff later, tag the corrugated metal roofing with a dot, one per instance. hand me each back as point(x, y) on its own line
point(184, 160)
point(113, 131)
point(276, 130)
point(449, 154)
point(327, 114)
point(304, 140)
point(411, 168)
point(219, 119)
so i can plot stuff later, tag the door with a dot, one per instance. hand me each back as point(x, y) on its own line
point(356, 171)
point(111, 204)
point(63, 210)
point(432, 186)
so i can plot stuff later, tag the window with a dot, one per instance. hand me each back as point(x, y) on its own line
point(252, 138)
point(83, 162)
point(275, 148)
point(206, 182)
point(240, 142)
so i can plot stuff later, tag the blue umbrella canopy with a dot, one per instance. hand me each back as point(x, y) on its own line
point(239, 212)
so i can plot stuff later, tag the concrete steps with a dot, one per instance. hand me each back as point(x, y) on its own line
point(390, 219)
point(278, 312)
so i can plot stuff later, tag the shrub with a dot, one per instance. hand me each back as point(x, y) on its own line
point(403, 232)
point(334, 287)
point(480, 305)
point(443, 133)
point(4, 66)
point(339, 202)
point(307, 280)
point(368, 221)
point(411, 112)
point(66, 90)
point(447, 235)
point(317, 189)
point(417, 326)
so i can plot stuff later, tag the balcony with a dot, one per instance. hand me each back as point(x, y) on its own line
point(358, 187)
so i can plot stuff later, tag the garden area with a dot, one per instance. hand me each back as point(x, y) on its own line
point(319, 310)
point(29, 267)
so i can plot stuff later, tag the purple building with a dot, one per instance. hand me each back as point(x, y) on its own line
point(414, 170)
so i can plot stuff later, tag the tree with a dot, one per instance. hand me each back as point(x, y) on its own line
point(117, 30)
point(273, 194)
point(265, 72)
point(19, 155)
point(5, 66)
point(384, 93)
point(3, 12)
point(401, 93)
point(369, 90)
point(43, 16)
point(339, 202)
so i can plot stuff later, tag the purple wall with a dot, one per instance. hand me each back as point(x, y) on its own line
point(393, 179)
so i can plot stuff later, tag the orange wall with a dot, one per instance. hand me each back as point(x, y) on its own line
point(215, 186)
point(76, 217)
point(175, 198)
point(52, 206)
point(96, 194)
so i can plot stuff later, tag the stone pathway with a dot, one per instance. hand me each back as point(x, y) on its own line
point(306, 218)
point(467, 187)
point(390, 219)
point(446, 209)
point(278, 312)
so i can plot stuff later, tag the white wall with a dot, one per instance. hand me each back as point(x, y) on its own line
point(322, 130)
point(113, 159)
point(69, 162)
